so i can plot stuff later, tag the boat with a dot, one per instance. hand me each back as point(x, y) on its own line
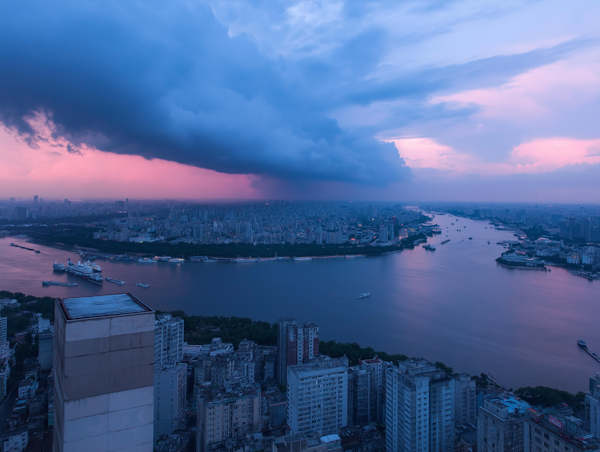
point(162, 258)
point(429, 247)
point(582, 343)
point(522, 262)
point(95, 278)
point(58, 267)
point(93, 266)
point(57, 283)
point(470, 238)
point(445, 241)
point(176, 260)
point(303, 258)
point(79, 269)
point(241, 260)
point(146, 260)
point(488, 242)
point(116, 281)
point(364, 295)
point(38, 251)
point(209, 260)
point(141, 284)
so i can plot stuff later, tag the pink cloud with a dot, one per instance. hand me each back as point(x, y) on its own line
point(50, 170)
point(538, 95)
point(552, 153)
point(533, 157)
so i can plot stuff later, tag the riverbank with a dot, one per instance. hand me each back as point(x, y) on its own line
point(70, 237)
point(217, 251)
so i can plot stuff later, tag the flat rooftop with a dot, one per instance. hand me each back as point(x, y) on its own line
point(102, 306)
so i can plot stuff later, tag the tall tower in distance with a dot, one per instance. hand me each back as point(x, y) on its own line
point(103, 374)
point(168, 340)
point(296, 344)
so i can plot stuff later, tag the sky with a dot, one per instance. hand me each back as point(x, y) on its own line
point(401, 101)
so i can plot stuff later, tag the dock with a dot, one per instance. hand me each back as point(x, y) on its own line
point(592, 354)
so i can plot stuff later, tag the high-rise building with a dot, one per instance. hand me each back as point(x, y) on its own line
point(592, 407)
point(46, 349)
point(375, 367)
point(296, 344)
point(383, 234)
point(168, 340)
point(103, 374)
point(551, 431)
point(317, 396)
point(170, 386)
point(419, 408)
point(35, 200)
point(3, 329)
point(465, 399)
point(226, 413)
point(500, 425)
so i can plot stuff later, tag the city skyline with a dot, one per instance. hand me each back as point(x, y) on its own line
point(459, 101)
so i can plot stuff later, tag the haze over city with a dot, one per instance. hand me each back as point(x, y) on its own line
point(419, 100)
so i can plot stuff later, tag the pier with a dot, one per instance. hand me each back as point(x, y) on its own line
point(592, 354)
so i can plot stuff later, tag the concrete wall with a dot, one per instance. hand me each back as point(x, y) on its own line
point(104, 383)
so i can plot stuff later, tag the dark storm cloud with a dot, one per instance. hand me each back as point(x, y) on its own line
point(165, 80)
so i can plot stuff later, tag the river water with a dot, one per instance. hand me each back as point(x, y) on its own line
point(454, 304)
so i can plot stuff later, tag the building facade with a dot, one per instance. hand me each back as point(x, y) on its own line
point(170, 387)
point(500, 425)
point(226, 413)
point(103, 374)
point(419, 408)
point(592, 407)
point(168, 340)
point(550, 431)
point(317, 396)
point(465, 399)
point(296, 344)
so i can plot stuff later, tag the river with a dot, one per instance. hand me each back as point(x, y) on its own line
point(454, 304)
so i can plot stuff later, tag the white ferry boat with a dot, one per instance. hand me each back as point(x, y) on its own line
point(79, 269)
point(364, 295)
point(303, 258)
point(241, 260)
point(141, 284)
point(162, 258)
point(58, 267)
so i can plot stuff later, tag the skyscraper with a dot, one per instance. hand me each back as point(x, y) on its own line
point(103, 374)
point(419, 408)
point(168, 340)
point(296, 344)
